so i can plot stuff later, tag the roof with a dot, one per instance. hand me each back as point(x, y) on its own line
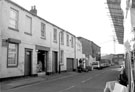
point(89, 41)
point(117, 17)
point(9, 1)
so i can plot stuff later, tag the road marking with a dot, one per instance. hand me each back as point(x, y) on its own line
point(87, 80)
point(67, 89)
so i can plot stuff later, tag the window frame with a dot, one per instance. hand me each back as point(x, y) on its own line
point(16, 20)
point(72, 41)
point(62, 38)
point(17, 53)
point(30, 25)
point(43, 30)
point(67, 39)
point(62, 56)
point(55, 35)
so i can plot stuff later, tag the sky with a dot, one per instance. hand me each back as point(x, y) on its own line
point(86, 18)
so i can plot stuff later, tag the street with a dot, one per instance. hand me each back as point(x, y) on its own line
point(93, 81)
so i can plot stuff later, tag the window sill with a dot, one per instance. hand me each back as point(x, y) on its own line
point(28, 33)
point(12, 66)
point(55, 41)
point(62, 64)
point(13, 29)
point(43, 38)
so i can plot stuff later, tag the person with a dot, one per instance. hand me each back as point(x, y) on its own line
point(80, 68)
point(39, 66)
point(123, 78)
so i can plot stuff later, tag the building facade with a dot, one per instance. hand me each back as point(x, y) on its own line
point(79, 54)
point(90, 50)
point(96, 51)
point(30, 45)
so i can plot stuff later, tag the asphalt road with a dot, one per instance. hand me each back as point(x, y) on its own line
point(93, 81)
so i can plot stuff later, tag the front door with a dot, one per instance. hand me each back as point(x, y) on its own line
point(28, 62)
point(55, 62)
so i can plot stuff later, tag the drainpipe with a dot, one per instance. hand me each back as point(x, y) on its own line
point(59, 54)
point(75, 53)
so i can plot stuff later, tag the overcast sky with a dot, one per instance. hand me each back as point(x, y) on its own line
point(85, 18)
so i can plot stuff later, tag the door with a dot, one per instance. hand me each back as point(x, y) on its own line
point(28, 62)
point(55, 62)
point(70, 64)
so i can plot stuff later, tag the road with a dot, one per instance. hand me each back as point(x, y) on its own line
point(93, 81)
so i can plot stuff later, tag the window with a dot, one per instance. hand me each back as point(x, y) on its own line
point(43, 30)
point(62, 56)
point(67, 40)
point(55, 35)
point(12, 59)
point(72, 42)
point(13, 21)
point(28, 25)
point(62, 38)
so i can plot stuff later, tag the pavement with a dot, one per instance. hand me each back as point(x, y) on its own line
point(25, 81)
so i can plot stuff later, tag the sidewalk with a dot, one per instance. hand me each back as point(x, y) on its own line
point(19, 82)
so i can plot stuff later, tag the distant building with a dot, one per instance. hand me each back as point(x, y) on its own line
point(90, 49)
point(118, 58)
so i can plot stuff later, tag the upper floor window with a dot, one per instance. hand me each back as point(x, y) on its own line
point(62, 38)
point(28, 25)
point(55, 35)
point(43, 30)
point(72, 42)
point(67, 40)
point(13, 21)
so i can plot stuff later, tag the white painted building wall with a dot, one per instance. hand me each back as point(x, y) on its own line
point(30, 42)
point(79, 54)
point(27, 41)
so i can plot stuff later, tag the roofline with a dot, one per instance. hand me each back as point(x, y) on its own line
point(89, 41)
point(96, 44)
point(70, 33)
point(9, 1)
point(84, 38)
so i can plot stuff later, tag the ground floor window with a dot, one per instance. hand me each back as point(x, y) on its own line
point(62, 56)
point(12, 58)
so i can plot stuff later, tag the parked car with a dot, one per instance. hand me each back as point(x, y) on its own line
point(96, 65)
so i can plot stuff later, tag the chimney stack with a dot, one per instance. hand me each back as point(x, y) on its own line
point(33, 10)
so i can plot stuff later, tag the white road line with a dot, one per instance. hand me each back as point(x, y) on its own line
point(67, 89)
point(87, 80)
point(90, 78)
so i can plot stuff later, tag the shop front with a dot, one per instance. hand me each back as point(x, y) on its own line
point(42, 59)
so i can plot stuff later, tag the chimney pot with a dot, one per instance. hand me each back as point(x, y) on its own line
point(33, 10)
point(34, 7)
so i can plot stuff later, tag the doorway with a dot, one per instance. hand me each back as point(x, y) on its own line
point(42, 58)
point(28, 62)
point(55, 61)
